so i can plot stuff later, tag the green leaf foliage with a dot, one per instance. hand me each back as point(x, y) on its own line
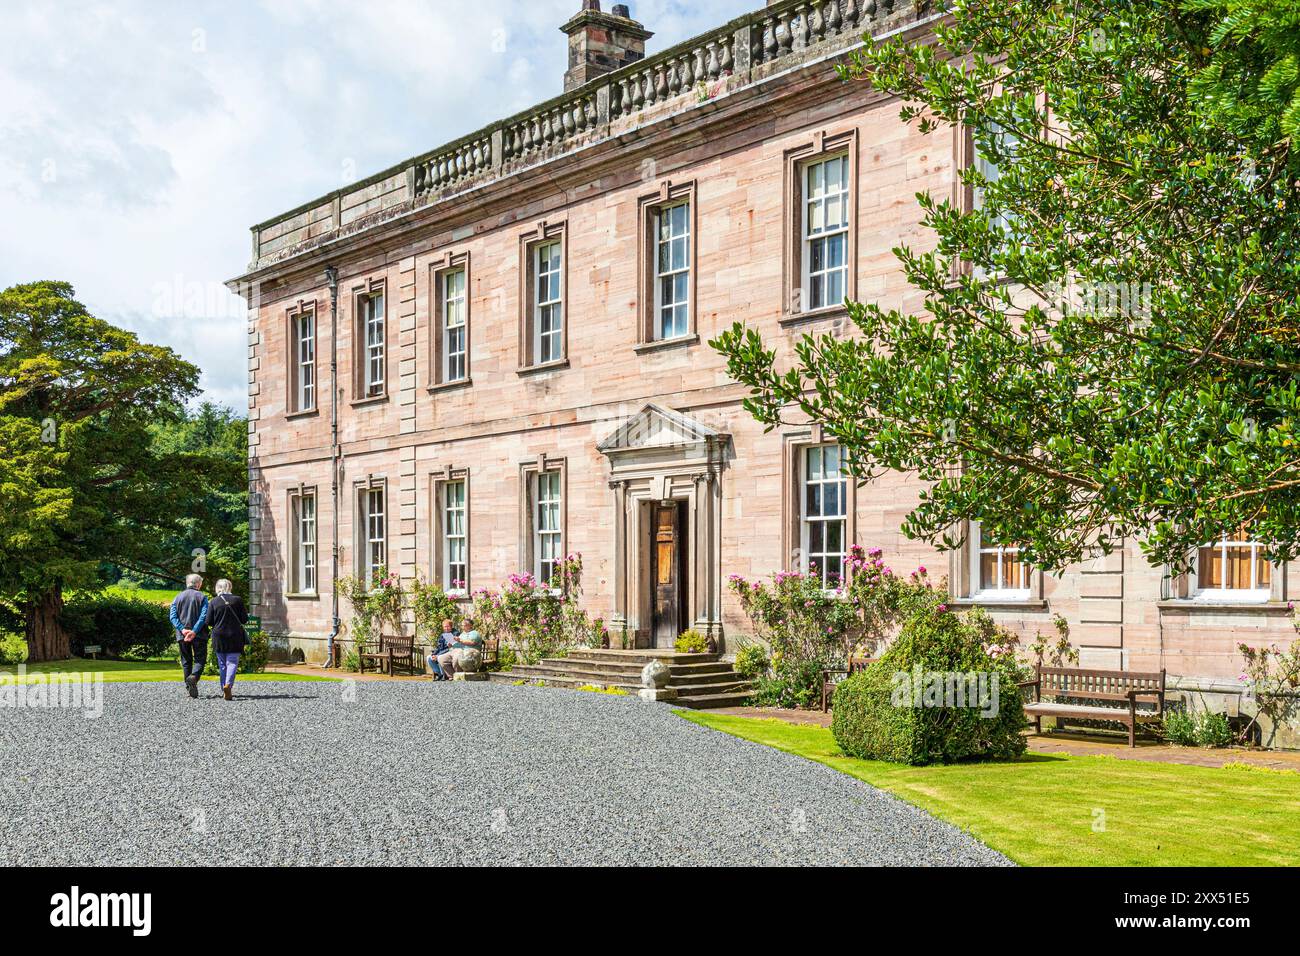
point(1109, 346)
point(83, 482)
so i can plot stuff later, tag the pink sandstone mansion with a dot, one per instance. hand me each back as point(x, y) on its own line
point(496, 353)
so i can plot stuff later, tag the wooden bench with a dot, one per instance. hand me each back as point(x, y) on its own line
point(386, 653)
point(1069, 684)
point(856, 665)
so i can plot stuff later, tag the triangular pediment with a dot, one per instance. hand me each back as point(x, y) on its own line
point(657, 427)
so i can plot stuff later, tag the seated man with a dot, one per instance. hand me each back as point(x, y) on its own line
point(467, 637)
point(444, 644)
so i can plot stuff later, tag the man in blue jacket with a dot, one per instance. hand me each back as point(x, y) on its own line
point(190, 618)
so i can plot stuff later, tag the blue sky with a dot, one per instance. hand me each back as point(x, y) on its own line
point(140, 140)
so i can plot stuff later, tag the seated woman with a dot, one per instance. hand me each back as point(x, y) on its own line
point(468, 637)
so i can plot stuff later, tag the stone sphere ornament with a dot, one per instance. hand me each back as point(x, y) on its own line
point(655, 675)
point(468, 659)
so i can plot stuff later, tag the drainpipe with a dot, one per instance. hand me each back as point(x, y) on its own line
point(332, 277)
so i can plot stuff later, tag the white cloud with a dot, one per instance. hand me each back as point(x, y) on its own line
point(140, 140)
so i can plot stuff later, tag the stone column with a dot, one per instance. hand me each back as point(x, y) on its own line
point(618, 620)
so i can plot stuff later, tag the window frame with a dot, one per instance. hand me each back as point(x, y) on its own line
point(794, 461)
point(530, 552)
point(440, 558)
point(551, 482)
point(806, 521)
point(981, 163)
point(439, 358)
point(530, 243)
point(372, 489)
point(979, 589)
point(809, 240)
point(363, 358)
point(295, 563)
point(1204, 594)
point(823, 146)
point(548, 343)
point(298, 315)
point(670, 195)
point(965, 197)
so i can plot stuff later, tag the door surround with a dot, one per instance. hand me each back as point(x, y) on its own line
point(659, 456)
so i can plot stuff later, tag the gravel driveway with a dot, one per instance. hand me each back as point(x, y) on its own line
point(423, 773)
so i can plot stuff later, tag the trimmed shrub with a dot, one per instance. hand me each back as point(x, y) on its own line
point(810, 627)
point(13, 647)
point(127, 627)
point(941, 693)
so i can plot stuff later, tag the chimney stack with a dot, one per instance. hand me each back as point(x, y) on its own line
point(600, 43)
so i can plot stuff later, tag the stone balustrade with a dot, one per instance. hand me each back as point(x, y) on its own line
point(744, 51)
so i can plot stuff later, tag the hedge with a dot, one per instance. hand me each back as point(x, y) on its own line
point(875, 717)
point(122, 626)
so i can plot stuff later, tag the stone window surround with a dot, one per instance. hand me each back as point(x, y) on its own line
point(448, 262)
point(292, 496)
point(292, 314)
point(528, 472)
point(822, 145)
point(360, 293)
point(794, 443)
point(963, 574)
point(648, 206)
point(542, 233)
point(438, 480)
point(359, 530)
point(1182, 594)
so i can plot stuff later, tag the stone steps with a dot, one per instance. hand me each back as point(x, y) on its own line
point(641, 657)
point(700, 680)
point(687, 674)
point(689, 684)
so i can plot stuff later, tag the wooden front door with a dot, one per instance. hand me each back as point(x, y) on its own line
point(667, 549)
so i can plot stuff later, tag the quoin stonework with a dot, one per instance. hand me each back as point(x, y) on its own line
point(495, 354)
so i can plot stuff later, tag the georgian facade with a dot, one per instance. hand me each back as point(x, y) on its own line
point(510, 363)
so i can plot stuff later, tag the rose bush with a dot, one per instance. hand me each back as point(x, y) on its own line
point(810, 627)
point(375, 604)
point(539, 620)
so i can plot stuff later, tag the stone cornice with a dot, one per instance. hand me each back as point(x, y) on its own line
point(645, 106)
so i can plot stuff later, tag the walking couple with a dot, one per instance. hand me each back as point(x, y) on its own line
point(194, 616)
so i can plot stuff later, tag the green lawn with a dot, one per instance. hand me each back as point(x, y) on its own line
point(122, 671)
point(1058, 810)
point(145, 594)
